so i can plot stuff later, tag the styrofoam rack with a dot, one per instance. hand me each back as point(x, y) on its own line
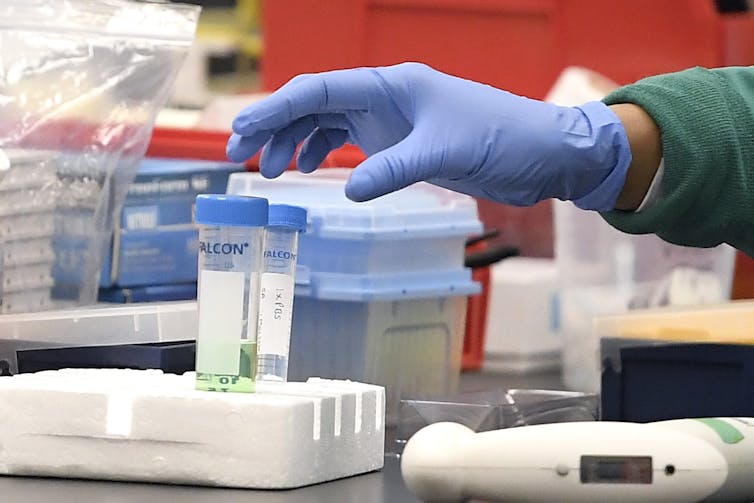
point(148, 426)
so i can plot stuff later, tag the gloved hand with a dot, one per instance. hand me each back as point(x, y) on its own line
point(416, 123)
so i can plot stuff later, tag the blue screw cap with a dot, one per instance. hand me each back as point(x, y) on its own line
point(239, 211)
point(287, 215)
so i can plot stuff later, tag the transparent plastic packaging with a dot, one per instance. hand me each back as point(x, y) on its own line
point(493, 410)
point(603, 271)
point(231, 234)
point(80, 85)
point(276, 288)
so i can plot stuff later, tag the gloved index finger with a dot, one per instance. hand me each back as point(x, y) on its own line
point(336, 91)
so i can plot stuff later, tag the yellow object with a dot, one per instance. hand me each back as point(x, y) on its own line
point(238, 27)
point(732, 322)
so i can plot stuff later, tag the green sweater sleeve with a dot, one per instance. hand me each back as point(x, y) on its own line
point(706, 120)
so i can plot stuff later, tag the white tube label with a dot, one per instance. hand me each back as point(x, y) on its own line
point(221, 306)
point(275, 313)
point(253, 312)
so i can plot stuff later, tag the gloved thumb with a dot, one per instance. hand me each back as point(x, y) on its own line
point(389, 170)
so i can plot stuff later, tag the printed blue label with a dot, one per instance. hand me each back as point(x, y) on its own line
point(281, 254)
point(209, 248)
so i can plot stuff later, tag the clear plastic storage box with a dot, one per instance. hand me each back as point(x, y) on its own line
point(98, 325)
point(381, 287)
point(411, 346)
point(603, 272)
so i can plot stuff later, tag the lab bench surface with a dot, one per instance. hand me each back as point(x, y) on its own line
point(384, 486)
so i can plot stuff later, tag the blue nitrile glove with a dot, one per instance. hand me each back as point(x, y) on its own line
point(416, 123)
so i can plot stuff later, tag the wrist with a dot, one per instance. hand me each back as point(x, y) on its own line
point(605, 157)
point(646, 153)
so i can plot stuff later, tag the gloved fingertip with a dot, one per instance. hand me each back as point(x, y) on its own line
point(356, 195)
point(268, 173)
point(234, 157)
point(231, 149)
point(306, 165)
point(305, 162)
point(244, 123)
point(249, 122)
point(273, 161)
point(361, 187)
point(237, 124)
point(313, 152)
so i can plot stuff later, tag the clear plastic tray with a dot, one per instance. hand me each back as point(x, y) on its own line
point(26, 301)
point(100, 325)
point(31, 200)
point(27, 277)
point(29, 175)
point(27, 226)
point(27, 251)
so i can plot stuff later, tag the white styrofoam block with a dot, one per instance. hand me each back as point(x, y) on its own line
point(148, 426)
point(522, 316)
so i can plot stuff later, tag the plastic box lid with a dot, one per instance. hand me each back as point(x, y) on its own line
point(421, 210)
point(99, 325)
point(385, 287)
point(169, 166)
point(729, 322)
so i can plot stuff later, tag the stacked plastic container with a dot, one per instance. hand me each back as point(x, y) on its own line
point(28, 192)
point(381, 289)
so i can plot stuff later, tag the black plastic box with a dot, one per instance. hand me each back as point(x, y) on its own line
point(170, 357)
point(646, 381)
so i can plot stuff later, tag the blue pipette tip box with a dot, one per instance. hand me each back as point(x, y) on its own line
point(155, 235)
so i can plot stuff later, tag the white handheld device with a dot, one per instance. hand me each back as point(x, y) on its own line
point(682, 460)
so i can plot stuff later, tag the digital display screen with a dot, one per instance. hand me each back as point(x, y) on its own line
point(616, 469)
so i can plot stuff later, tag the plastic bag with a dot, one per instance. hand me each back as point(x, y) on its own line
point(80, 85)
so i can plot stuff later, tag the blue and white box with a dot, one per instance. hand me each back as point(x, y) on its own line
point(155, 240)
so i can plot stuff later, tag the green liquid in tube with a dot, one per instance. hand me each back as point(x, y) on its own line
point(244, 382)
